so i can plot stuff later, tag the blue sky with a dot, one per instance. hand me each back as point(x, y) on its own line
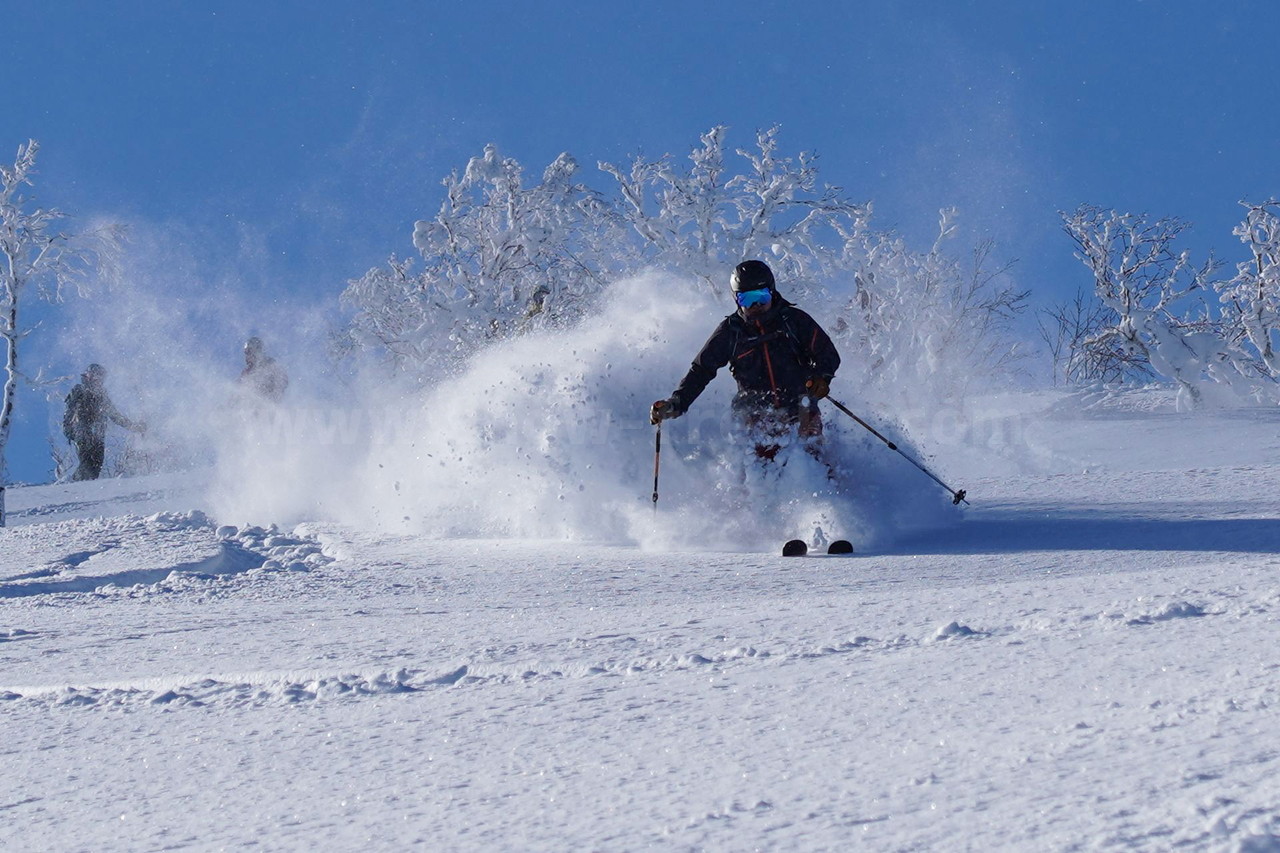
point(323, 129)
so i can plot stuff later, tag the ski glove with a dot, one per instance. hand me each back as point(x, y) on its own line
point(663, 410)
point(818, 387)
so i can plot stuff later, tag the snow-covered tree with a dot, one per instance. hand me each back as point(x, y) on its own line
point(1156, 312)
point(928, 320)
point(499, 258)
point(34, 253)
point(502, 257)
point(700, 218)
point(1251, 300)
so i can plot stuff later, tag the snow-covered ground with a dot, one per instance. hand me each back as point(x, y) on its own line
point(1090, 659)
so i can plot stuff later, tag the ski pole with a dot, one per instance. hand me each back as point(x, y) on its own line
point(657, 457)
point(957, 496)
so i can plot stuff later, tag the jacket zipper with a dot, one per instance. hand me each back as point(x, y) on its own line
point(768, 364)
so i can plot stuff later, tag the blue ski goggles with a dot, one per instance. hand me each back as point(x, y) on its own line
point(753, 298)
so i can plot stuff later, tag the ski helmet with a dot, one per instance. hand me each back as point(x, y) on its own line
point(96, 371)
point(751, 275)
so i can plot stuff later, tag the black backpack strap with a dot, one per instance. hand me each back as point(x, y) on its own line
point(802, 355)
point(737, 336)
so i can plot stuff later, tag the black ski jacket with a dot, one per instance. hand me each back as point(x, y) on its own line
point(267, 378)
point(87, 412)
point(771, 358)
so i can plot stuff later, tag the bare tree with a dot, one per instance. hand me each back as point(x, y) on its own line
point(34, 252)
point(1071, 331)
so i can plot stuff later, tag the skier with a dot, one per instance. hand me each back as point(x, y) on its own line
point(261, 373)
point(781, 358)
point(85, 422)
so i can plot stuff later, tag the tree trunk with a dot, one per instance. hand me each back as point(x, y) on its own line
point(10, 335)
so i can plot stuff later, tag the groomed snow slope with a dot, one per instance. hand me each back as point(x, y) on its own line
point(1091, 660)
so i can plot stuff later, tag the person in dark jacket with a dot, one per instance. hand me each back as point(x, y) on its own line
point(780, 357)
point(85, 422)
point(262, 373)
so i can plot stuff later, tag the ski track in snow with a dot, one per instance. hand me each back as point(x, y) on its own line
point(481, 669)
point(1087, 662)
point(615, 655)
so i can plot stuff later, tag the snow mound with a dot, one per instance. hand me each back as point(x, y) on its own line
point(955, 630)
point(1172, 610)
point(142, 556)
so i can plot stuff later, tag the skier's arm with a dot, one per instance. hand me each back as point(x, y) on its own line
point(109, 408)
point(715, 354)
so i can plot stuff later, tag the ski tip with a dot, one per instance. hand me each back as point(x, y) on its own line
point(840, 546)
point(795, 548)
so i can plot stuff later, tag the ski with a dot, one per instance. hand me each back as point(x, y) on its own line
point(795, 548)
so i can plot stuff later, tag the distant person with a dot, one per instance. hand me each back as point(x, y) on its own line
point(262, 374)
point(85, 422)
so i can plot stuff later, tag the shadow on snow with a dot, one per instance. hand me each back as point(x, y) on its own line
point(993, 533)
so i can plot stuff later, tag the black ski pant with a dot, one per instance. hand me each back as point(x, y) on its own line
point(764, 424)
point(91, 453)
